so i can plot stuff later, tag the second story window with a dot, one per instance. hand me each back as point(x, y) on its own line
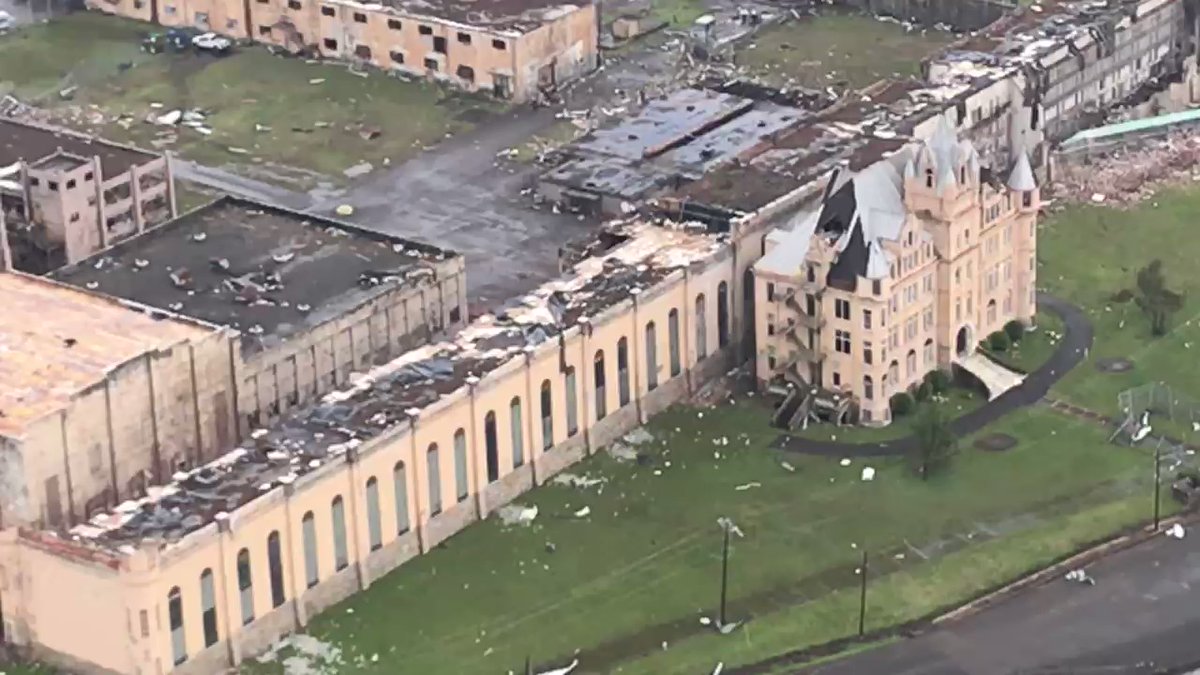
point(841, 341)
point(867, 319)
point(842, 308)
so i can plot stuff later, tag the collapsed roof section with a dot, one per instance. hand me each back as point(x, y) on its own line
point(394, 393)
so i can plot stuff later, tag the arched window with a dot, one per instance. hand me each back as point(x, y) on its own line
point(337, 512)
point(517, 430)
point(723, 314)
point(572, 402)
point(491, 443)
point(374, 526)
point(312, 573)
point(911, 362)
point(461, 486)
point(275, 569)
point(622, 373)
point(400, 492)
point(651, 357)
point(928, 352)
point(598, 378)
point(928, 178)
point(433, 469)
point(547, 401)
point(991, 311)
point(208, 607)
point(245, 586)
point(701, 329)
point(175, 617)
point(673, 341)
point(893, 372)
point(868, 388)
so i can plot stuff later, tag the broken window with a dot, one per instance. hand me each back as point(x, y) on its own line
point(175, 617)
point(499, 44)
point(466, 72)
point(425, 30)
point(337, 511)
point(572, 403)
point(598, 377)
point(325, 10)
point(330, 43)
point(309, 532)
point(264, 30)
point(88, 176)
point(359, 17)
point(462, 489)
point(395, 24)
point(71, 184)
point(245, 586)
point(455, 314)
point(208, 607)
point(398, 58)
point(651, 357)
point(490, 442)
point(517, 430)
point(34, 181)
point(439, 45)
point(622, 373)
point(431, 64)
point(547, 416)
point(275, 568)
point(362, 52)
point(374, 528)
point(53, 185)
point(400, 488)
point(464, 38)
point(673, 341)
point(435, 480)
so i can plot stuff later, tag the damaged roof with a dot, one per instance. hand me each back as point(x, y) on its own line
point(19, 141)
point(506, 16)
point(267, 271)
point(57, 341)
point(391, 394)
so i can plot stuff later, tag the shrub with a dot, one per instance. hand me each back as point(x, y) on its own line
point(902, 404)
point(938, 381)
point(999, 341)
point(923, 392)
point(1015, 330)
point(1122, 296)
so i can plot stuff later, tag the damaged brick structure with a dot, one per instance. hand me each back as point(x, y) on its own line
point(511, 49)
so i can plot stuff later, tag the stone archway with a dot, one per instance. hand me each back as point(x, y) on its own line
point(964, 344)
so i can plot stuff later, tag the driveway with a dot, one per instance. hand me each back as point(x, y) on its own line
point(1141, 617)
point(1072, 348)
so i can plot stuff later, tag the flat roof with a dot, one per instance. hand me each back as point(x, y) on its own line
point(32, 143)
point(395, 392)
point(267, 271)
point(502, 15)
point(56, 340)
point(664, 123)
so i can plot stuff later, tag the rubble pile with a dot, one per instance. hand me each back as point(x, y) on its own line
point(1131, 175)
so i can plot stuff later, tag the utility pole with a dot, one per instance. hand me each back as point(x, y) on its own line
point(1157, 482)
point(862, 595)
point(724, 575)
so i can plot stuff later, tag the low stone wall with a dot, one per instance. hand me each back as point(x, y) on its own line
point(392, 555)
point(331, 591)
point(267, 629)
point(451, 520)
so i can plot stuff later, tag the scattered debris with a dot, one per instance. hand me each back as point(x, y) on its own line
point(566, 670)
point(317, 80)
point(1080, 576)
point(345, 210)
point(728, 524)
point(515, 514)
point(360, 169)
point(584, 512)
point(622, 452)
point(577, 481)
point(1176, 531)
point(868, 473)
point(747, 486)
point(787, 467)
point(639, 436)
point(845, 461)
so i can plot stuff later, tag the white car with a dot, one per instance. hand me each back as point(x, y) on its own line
point(212, 42)
point(6, 20)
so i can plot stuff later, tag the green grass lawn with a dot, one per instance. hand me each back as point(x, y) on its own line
point(274, 110)
point(644, 565)
point(958, 401)
point(828, 49)
point(1035, 347)
point(1087, 254)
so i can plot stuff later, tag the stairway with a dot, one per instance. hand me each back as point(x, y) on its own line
point(994, 376)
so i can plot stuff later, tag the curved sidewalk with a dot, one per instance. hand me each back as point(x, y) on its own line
point(1075, 343)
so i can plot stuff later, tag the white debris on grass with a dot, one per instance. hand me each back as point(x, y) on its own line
point(746, 486)
point(515, 514)
point(845, 461)
point(1176, 531)
point(622, 453)
point(868, 473)
point(577, 481)
point(566, 670)
point(728, 524)
point(307, 655)
point(787, 467)
point(584, 512)
point(639, 436)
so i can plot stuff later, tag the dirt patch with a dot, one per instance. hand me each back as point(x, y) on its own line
point(996, 442)
point(1114, 365)
point(475, 115)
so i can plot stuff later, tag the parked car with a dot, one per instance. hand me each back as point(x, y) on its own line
point(211, 42)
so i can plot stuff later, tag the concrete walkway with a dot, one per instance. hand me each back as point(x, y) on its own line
point(1076, 341)
point(995, 378)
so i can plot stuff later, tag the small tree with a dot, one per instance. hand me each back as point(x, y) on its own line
point(934, 444)
point(1015, 330)
point(938, 381)
point(923, 392)
point(998, 341)
point(1157, 301)
point(901, 403)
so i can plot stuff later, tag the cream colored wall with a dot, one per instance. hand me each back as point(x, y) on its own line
point(147, 577)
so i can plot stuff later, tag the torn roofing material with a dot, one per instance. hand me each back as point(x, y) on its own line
point(20, 141)
point(391, 394)
point(266, 271)
point(502, 16)
point(56, 341)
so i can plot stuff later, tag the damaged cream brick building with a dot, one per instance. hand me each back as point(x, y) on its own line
point(901, 269)
point(508, 48)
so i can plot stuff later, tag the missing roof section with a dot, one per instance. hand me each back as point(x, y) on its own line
point(507, 16)
point(267, 271)
point(19, 141)
point(391, 394)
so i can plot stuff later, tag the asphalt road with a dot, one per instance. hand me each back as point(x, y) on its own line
point(1141, 617)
